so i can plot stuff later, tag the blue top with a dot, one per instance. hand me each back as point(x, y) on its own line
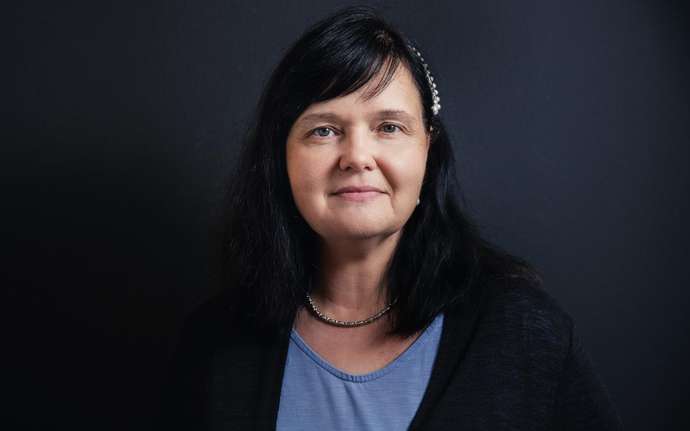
point(315, 395)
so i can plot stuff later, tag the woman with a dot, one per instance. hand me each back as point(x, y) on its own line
point(357, 294)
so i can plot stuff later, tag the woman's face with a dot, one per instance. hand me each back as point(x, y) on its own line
point(356, 167)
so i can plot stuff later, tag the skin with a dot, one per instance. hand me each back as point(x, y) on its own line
point(350, 141)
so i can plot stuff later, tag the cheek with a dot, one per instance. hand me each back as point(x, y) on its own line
point(407, 171)
point(307, 175)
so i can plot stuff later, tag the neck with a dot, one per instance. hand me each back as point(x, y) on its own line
point(352, 280)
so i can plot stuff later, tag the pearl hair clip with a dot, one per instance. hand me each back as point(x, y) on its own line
point(432, 85)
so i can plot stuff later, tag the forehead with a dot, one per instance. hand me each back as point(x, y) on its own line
point(399, 94)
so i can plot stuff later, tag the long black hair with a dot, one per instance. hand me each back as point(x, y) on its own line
point(270, 254)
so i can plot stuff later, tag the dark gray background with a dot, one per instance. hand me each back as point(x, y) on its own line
point(570, 121)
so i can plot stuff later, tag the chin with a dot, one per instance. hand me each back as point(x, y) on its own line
point(359, 232)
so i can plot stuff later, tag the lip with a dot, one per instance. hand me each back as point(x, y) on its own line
point(357, 189)
point(358, 193)
point(358, 196)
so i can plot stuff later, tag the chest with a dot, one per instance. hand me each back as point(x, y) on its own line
point(317, 395)
point(353, 356)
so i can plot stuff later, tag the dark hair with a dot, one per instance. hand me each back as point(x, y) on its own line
point(269, 251)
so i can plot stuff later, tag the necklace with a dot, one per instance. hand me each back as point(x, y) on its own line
point(348, 323)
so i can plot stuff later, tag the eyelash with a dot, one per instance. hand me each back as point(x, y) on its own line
point(313, 132)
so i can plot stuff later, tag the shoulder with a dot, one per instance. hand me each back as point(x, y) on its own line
point(215, 323)
point(212, 314)
point(526, 314)
point(526, 299)
point(214, 346)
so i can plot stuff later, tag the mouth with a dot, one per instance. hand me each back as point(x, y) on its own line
point(358, 189)
point(358, 194)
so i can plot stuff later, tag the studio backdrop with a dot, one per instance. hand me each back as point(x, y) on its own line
point(570, 122)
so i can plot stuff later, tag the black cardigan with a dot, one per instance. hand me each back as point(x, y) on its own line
point(509, 359)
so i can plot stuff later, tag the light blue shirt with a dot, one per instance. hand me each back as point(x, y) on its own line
point(317, 396)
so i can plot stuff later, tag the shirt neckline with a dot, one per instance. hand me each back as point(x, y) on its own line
point(360, 378)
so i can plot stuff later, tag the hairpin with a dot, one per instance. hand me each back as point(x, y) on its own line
point(432, 85)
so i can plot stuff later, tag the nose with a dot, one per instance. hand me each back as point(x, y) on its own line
point(357, 152)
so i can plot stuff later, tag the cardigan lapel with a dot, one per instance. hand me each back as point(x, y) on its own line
point(271, 381)
point(458, 329)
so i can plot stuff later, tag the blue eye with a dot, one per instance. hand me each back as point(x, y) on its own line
point(389, 128)
point(319, 132)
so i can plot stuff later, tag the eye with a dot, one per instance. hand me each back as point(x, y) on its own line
point(322, 132)
point(390, 128)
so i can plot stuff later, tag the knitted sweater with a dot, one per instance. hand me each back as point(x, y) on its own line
point(509, 359)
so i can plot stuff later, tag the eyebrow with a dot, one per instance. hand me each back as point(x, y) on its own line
point(385, 113)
